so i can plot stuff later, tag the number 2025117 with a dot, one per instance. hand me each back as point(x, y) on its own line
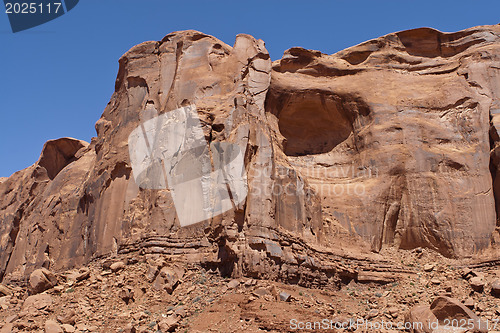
point(32, 8)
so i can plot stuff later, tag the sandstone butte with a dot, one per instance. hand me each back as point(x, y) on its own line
point(392, 143)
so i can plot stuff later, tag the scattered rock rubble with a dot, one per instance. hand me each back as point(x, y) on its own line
point(154, 293)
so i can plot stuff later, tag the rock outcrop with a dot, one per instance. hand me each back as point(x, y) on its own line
point(408, 162)
point(392, 142)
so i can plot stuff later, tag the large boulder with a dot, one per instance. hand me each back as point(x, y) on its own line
point(41, 280)
point(169, 277)
point(34, 303)
point(445, 314)
point(422, 319)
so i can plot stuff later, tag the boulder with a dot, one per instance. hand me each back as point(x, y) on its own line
point(53, 327)
point(169, 324)
point(233, 284)
point(5, 302)
point(393, 311)
point(428, 267)
point(469, 302)
point(152, 272)
point(495, 288)
point(68, 328)
point(423, 316)
point(41, 280)
point(477, 283)
point(261, 291)
point(68, 317)
point(127, 294)
point(285, 297)
point(129, 329)
point(117, 266)
point(4, 290)
point(81, 274)
point(36, 302)
point(441, 313)
point(169, 277)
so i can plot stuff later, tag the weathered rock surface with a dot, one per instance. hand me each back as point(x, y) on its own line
point(41, 280)
point(7, 328)
point(169, 324)
point(439, 316)
point(394, 134)
point(52, 327)
point(477, 283)
point(391, 142)
point(115, 267)
point(4, 291)
point(168, 277)
point(495, 288)
point(36, 302)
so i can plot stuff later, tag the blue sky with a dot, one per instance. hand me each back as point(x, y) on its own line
point(56, 79)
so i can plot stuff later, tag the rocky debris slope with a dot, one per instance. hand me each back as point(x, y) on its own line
point(392, 142)
point(153, 294)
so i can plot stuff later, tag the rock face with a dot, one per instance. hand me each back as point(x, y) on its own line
point(57, 154)
point(391, 142)
point(408, 162)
